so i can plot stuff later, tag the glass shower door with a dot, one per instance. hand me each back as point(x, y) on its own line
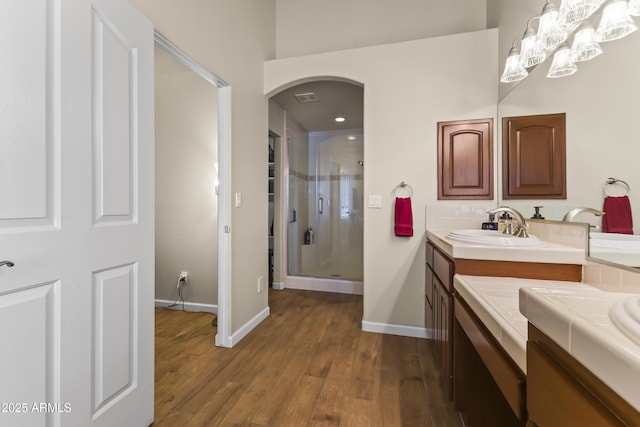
point(333, 211)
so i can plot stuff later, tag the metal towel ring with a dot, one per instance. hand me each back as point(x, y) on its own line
point(611, 181)
point(403, 185)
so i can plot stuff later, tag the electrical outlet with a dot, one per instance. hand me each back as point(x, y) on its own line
point(184, 277)
point(260, 284)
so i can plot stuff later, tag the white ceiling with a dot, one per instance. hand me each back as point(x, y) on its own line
point(334, 99)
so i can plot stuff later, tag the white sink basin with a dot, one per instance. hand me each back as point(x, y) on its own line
point(492, 238)
point(625, 314)
point(618, 248)
point(615, 241)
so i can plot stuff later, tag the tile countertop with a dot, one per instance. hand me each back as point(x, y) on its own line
point(495, 302)
point(551, 253)
point(578, 320)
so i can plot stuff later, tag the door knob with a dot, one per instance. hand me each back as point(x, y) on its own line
point(7, 263)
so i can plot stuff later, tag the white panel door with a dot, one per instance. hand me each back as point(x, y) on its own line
point(76, 214)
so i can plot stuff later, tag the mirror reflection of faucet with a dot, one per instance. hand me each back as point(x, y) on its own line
point(569, 216)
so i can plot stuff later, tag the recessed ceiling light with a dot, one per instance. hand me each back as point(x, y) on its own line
point(339, 119)
point(351, 138)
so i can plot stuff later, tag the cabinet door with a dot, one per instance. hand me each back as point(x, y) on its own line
point(533, 157)
point(445, 313)
point(465, 159)
point(428, 306)
point(557, 399)
point(437, 324)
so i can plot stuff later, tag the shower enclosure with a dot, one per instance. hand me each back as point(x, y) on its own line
point(325, 232)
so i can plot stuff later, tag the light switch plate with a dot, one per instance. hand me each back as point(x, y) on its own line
point(238, 199)
point(375, 201)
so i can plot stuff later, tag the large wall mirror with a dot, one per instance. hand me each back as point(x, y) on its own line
point(602, 106)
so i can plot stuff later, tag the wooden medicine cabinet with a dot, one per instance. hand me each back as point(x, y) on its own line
point(465, 159)
point(533, 157)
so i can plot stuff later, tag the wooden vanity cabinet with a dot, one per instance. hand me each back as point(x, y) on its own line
point(562, 392)
point(439, 312)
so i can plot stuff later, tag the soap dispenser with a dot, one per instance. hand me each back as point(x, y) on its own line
point(491, 224)
point(537, 215)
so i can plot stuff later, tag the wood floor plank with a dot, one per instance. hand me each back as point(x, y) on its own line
point(359, 413)
point(308, 364)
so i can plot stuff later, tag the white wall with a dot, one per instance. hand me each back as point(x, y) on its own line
point(408, 88)
point(186, 206)
point(232, 38)
point(307, 27)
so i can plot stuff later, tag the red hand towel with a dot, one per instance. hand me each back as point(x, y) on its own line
point(617, 215)
point(403, 217)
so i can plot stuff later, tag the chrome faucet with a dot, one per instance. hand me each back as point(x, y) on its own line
point(573, 212)
point(520, 228)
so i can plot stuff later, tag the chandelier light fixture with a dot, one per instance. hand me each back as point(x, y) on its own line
point(575, 11)
point(615, 22)
point(551, 32)
point(563, 63)
point(566, 34)
point(531, 53)
point(585, 46)
point(514, 70)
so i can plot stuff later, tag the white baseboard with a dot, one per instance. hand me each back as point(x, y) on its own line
point(323, 284)
point(249, 326)
point(188, 306)
point(402, 330)
point(278, 286)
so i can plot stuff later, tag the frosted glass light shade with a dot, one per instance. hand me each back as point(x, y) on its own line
point(633, 7)
point(574, 11)
point(514, 71)
point(584, 45)
point(562, 64)
point(615, 22)
point(550, 32)
point(531, 53)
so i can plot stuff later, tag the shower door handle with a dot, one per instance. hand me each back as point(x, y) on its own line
point(320, 204)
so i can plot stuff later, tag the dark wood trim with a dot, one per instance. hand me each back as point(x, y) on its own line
point(525, 270)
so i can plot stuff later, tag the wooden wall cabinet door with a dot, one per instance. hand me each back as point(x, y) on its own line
point(533, 157)
point(465, 159)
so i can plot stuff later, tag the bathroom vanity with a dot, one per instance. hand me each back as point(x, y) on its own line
point(444, 258)
point(528, 369)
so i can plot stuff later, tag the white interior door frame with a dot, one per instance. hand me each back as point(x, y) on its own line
point(223, 337)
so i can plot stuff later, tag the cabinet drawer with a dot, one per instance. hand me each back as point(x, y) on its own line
point(443, 269)
point(557, 399)
point(430, 254)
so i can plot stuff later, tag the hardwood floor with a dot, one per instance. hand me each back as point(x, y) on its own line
point(307, 364)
